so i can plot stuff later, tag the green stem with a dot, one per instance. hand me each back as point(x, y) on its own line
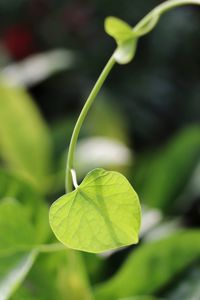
point(83, 114)
point(158, 11)
point(51, 248)
point(162, 8)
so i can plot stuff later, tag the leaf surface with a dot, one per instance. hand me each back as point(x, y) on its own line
point(103, 213)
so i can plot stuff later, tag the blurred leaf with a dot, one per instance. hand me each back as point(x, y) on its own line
point(12, 186)
point(24, 137)
point(38, 67)
point(114, 121)
point(94, 265)
point(23, 224)
point(85, 220)
point(162, 229)
point(161, 177)
point(152, 266)
point(13, 270)
point(142, 298)
point(100, 151)
point(16, 231)
point(66, 278)
point(77, 285)
point(188, 288)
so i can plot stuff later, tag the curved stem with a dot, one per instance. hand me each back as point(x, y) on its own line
point(158, 11)
point(83, 114)
point(162, 8)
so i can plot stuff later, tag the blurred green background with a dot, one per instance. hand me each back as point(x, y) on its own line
point(145, 123)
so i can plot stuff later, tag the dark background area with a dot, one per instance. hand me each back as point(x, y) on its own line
point(157, 93)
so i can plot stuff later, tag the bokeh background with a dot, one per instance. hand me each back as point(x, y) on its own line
point(145, 123)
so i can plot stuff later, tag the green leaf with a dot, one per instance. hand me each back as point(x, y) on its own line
point(38, 67)
point(103, 213)
point(126, 51)
point(24, 138)
point(161, 177)
point(152, 266)
point(124, 37)
point(16, 231)
point(13, 270)
point(23, 224)
point(33, 205)
point(59, 275)
point(118, 29)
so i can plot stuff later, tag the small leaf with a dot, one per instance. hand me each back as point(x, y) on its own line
point(124, 37)
point(126, 51)
point(118, 29)
point(103, 213)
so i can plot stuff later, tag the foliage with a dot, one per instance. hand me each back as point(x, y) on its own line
point(102, 213)
point(34, 266)
point(31, 156)
point(139, 266)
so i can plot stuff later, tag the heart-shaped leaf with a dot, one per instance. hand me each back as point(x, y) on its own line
point(103, 213)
